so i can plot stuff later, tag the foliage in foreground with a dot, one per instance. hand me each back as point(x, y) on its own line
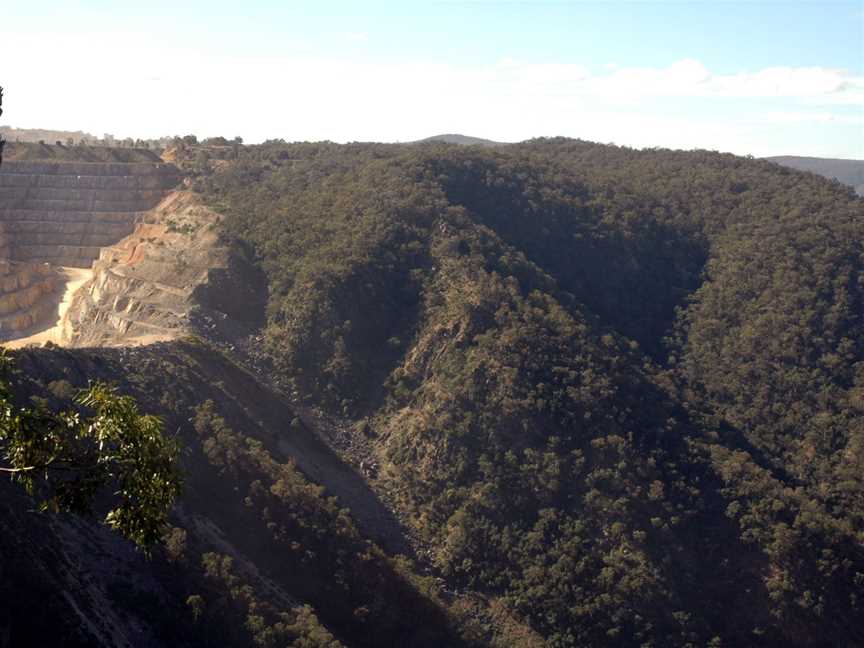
point(69, 458)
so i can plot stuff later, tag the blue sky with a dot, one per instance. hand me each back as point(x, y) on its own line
point(760, 78)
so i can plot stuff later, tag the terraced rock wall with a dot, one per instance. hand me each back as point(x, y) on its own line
point(66, 212)
point(171, 276)
point(27, 296)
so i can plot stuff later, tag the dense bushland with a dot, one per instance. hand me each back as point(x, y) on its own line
point(621, 390)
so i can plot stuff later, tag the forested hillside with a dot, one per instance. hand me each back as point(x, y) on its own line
point(617, 391)
point(545, 394)
point(257, 553)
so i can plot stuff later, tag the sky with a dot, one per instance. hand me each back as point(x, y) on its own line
point(753, 78)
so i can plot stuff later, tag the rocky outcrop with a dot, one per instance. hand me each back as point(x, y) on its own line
point(28, 296)
point(159, 269)
point(63, 213)
point(171, 276)
point(66, 212)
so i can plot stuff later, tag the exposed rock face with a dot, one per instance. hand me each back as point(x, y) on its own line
point(65, 212)
point(27, 296)
point(171, 276)
point(159, 269)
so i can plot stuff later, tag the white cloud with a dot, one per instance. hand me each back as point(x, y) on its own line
point(812, 117)
point(690, 78)
point(130, 84)
point(818, 84)
point(686, 76)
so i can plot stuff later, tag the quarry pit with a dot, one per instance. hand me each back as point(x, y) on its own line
point(106, 253)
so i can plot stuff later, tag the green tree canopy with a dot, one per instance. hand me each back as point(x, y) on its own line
point(69, 458)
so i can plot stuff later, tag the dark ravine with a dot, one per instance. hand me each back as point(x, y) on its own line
point(110, 595)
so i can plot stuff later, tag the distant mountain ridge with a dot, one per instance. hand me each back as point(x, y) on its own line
point(850, 172)
point(463, 140)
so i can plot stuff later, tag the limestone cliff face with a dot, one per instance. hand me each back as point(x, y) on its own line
point(27, 296)
point(170, 277)
point(65, 212)
point(159, 269)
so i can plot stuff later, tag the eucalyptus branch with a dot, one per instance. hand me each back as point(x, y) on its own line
point(20, 470)
point(51, 466)
point(66, 458)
